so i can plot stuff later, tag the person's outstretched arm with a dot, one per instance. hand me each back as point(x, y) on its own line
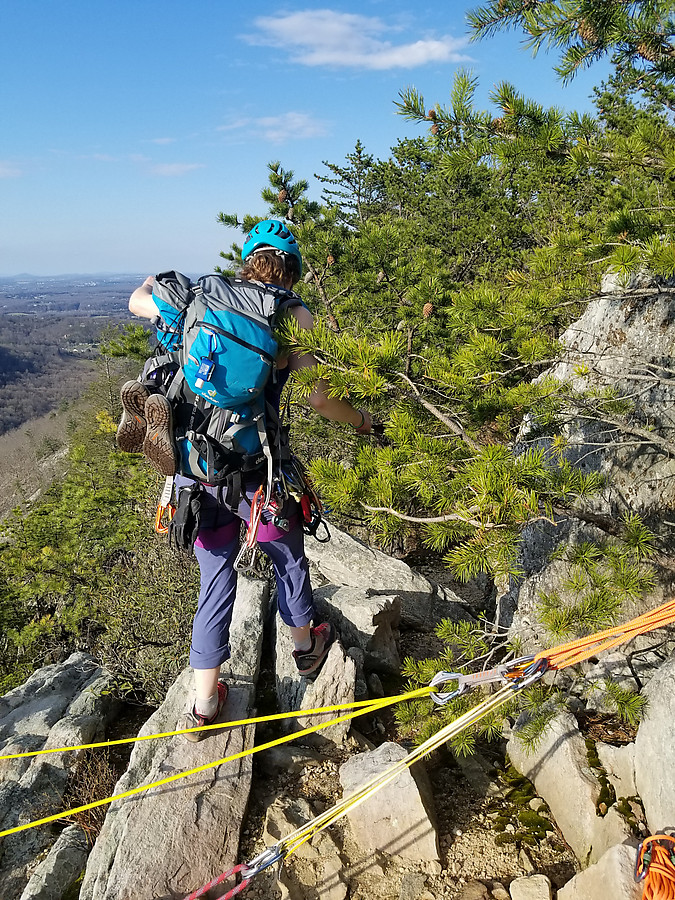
point(329, 407)
point(141, 302)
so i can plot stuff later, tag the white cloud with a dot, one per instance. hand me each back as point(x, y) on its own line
point(7, 170)
point(283, 127)
point(172, 170)
point(324, 37)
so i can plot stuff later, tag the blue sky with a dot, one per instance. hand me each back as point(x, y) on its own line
point(127, 126)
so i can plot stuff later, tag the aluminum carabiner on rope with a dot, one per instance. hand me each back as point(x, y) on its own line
point(440, 678)
point(267, 858)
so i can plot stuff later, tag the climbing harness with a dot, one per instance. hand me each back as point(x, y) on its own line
point(655, 866)
point(165, 507)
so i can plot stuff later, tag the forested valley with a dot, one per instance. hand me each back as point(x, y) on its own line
point(441, 279)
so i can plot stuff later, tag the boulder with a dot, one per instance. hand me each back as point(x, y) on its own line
point(531, 887)
point(654, 777)
point(559, 768)
point(60, 871)
point(364, 620)
point(169, 841)
point(346, 561)
point(612, 877)
point(61, 705)
point(396, 818)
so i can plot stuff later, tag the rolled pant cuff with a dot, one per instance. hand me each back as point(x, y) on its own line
point(208, 660)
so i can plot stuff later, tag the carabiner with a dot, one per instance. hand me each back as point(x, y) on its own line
point(266, 859)
point(441, 678)
point(530, 673)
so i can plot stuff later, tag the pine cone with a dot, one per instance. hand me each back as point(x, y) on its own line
point(427, 310)
point(432, 115)
point(380, 277)
point(649, 52)
point(330, 260)
point(587, 32)
point(282, 196)
point(497, 124)
point(435, 128)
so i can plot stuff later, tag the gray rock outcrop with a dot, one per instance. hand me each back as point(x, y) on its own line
point(396, 819)
point(171, 840)
point(654, 778)
point(61, 705)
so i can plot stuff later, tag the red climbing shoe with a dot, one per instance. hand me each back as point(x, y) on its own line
point(310, 661)
point(192, 719)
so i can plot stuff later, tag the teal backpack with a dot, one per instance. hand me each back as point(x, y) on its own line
point(217, 377)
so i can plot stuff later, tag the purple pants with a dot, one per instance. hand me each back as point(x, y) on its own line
point(216, 549)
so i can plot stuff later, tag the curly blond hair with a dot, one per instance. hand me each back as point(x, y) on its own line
point(271, 267)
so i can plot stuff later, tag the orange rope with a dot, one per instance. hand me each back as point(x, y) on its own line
point(577, 651)
point(658, 870)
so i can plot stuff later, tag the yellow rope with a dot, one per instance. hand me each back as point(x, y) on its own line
point(322, 710)
point(372, 706)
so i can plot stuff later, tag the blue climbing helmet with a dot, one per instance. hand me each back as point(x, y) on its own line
point(272, 233)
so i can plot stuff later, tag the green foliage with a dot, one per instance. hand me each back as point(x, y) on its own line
point(130, 342)
point(628, 704)
point(637, 35)
point(79, 569)
point(599, 579)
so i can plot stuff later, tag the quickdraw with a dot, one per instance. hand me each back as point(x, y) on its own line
point(518, 674)
point(245, 560)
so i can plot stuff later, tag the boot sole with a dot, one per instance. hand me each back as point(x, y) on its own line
point(158, 442)
point(132, 427)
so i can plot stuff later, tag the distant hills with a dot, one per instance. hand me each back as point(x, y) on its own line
point(49, 333)
point(79, 295)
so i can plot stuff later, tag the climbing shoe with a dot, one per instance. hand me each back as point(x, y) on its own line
point(131, 430)
point(310, 661)
point(158, 442)
point(192, 719)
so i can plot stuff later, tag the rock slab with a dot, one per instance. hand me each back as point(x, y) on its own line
point(396, 819)
point(654, 777)
point(560, 771)
point(611, 877)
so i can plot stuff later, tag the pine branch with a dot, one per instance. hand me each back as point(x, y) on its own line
point(453, 426)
